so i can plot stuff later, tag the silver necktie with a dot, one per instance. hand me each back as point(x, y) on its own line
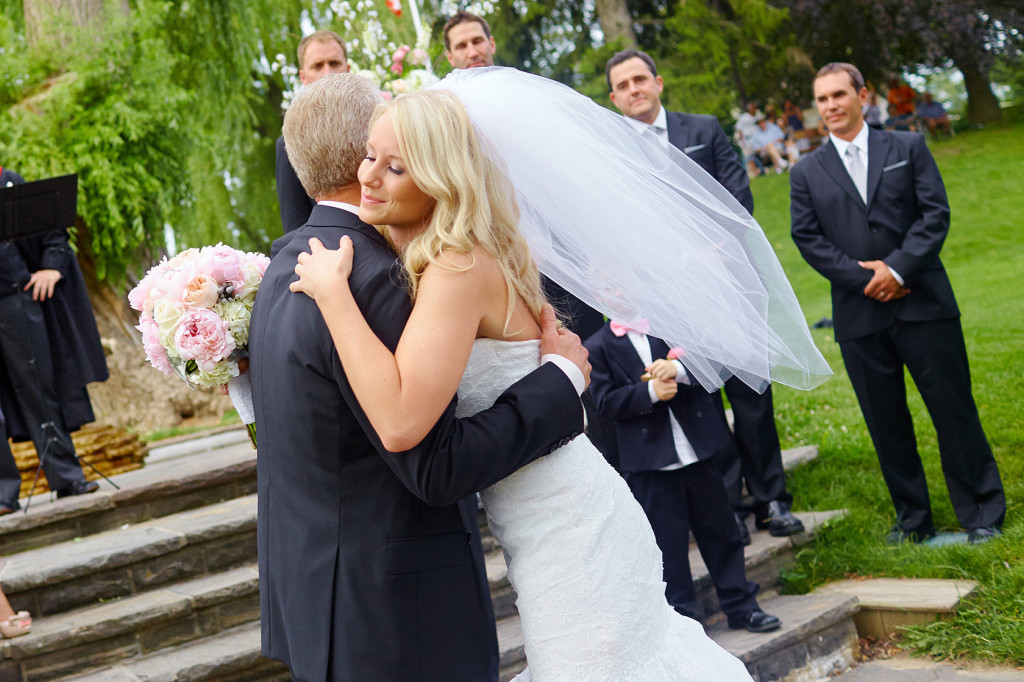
point(858, 172)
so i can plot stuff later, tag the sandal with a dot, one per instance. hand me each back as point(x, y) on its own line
point(17, 625)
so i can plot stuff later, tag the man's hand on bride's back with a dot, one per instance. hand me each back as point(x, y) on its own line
point(322, 269)
point(561, 341)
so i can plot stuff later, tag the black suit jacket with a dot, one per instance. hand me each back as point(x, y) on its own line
point(292, 199)
point(370, 562)
point(643, 433)
point(702, 139)
point(904, 223)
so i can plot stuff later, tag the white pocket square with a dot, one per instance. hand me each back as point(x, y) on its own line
point(895, 166)
point(694, 148)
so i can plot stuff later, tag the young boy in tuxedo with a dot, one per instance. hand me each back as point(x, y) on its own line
point(666, 430)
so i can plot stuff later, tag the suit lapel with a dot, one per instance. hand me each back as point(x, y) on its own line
point(678, 134)
point(659, 349)
point(626, 356)
point(878, 153)
point(833, 165)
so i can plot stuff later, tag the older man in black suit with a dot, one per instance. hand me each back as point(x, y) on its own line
point(370, 562)
point(755, 456)
point(870, 213)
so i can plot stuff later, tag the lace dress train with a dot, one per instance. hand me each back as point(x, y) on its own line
point(583, 559)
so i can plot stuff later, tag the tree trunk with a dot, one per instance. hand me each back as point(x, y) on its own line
point(39, 15)
point(616, 22)
point(982, 104)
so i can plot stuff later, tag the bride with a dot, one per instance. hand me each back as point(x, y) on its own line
point(582, 556)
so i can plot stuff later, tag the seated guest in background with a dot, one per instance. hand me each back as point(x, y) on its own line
point(872, 111)
point(667, 430)
point(770, 142)
point(897, 121)
point(934, 116)
point(794, 116)
point(902, 96)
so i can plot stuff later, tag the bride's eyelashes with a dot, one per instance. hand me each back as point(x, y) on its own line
point(396, 171)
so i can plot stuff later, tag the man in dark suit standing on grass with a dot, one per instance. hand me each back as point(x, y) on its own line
point(870, 213)
point(755, 456)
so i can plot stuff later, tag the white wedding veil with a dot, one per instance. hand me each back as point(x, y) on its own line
point(632, 227)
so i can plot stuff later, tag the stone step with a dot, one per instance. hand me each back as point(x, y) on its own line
point(817, 638)
point(887, 604)
point(132, 559)
point(103, 634)
point(230, 656)
point(165, 486)
point(764, 558)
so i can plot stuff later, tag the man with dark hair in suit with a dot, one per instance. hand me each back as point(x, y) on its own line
point(870, 213)
point(370, 562)
point(319, 54)
point(635, 88)
point(49, 350)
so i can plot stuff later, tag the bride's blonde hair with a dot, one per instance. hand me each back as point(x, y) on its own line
point(474, 202)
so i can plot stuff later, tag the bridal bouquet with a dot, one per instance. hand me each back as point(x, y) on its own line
point(194, 311)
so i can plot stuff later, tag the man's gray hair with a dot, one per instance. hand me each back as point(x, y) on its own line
point(325, 131)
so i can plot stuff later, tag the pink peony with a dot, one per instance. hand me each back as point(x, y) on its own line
point(204, 337)
point(220, 262)
point(202, 292)
point(155, 352)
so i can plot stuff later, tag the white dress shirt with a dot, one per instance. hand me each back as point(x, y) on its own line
point(684, 450)
point(659, 127)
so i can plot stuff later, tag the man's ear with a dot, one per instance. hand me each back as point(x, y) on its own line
point(448, 55)
point(611, 96)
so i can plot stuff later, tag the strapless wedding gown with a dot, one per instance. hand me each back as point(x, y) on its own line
point(582, 558)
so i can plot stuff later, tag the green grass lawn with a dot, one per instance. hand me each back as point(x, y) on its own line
point(984, 255)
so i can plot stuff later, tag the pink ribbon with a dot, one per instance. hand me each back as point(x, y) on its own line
point(639, 325)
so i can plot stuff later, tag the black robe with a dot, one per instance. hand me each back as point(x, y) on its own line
point(74, 340)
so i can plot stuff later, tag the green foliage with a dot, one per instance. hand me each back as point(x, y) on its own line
point(166, 114)
point(982, 254)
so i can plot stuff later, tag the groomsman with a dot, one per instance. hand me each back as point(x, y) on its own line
point(319, 54)
point(870, 213)
point(635, 89)
point(667, 431)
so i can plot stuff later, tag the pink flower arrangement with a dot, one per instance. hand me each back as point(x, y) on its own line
point(194, 311)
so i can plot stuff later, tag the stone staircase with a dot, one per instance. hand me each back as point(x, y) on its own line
point(158, 581)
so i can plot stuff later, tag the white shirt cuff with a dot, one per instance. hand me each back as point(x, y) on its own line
point(896, 275)
point(574, 373)
point(654, 395)
point(681, 376)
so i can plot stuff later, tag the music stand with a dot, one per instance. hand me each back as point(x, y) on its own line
point(33, 208)
point(52, 436)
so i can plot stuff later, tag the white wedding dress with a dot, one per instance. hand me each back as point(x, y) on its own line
point(583, 559)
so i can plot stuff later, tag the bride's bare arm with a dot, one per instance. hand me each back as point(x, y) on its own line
point(404, 394)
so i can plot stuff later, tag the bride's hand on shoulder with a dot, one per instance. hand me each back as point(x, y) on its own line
point(322, 269)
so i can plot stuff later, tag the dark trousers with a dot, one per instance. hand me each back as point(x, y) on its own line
point(693, 498)
point(757, 455)
point(935, 355)
point(28, 371)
